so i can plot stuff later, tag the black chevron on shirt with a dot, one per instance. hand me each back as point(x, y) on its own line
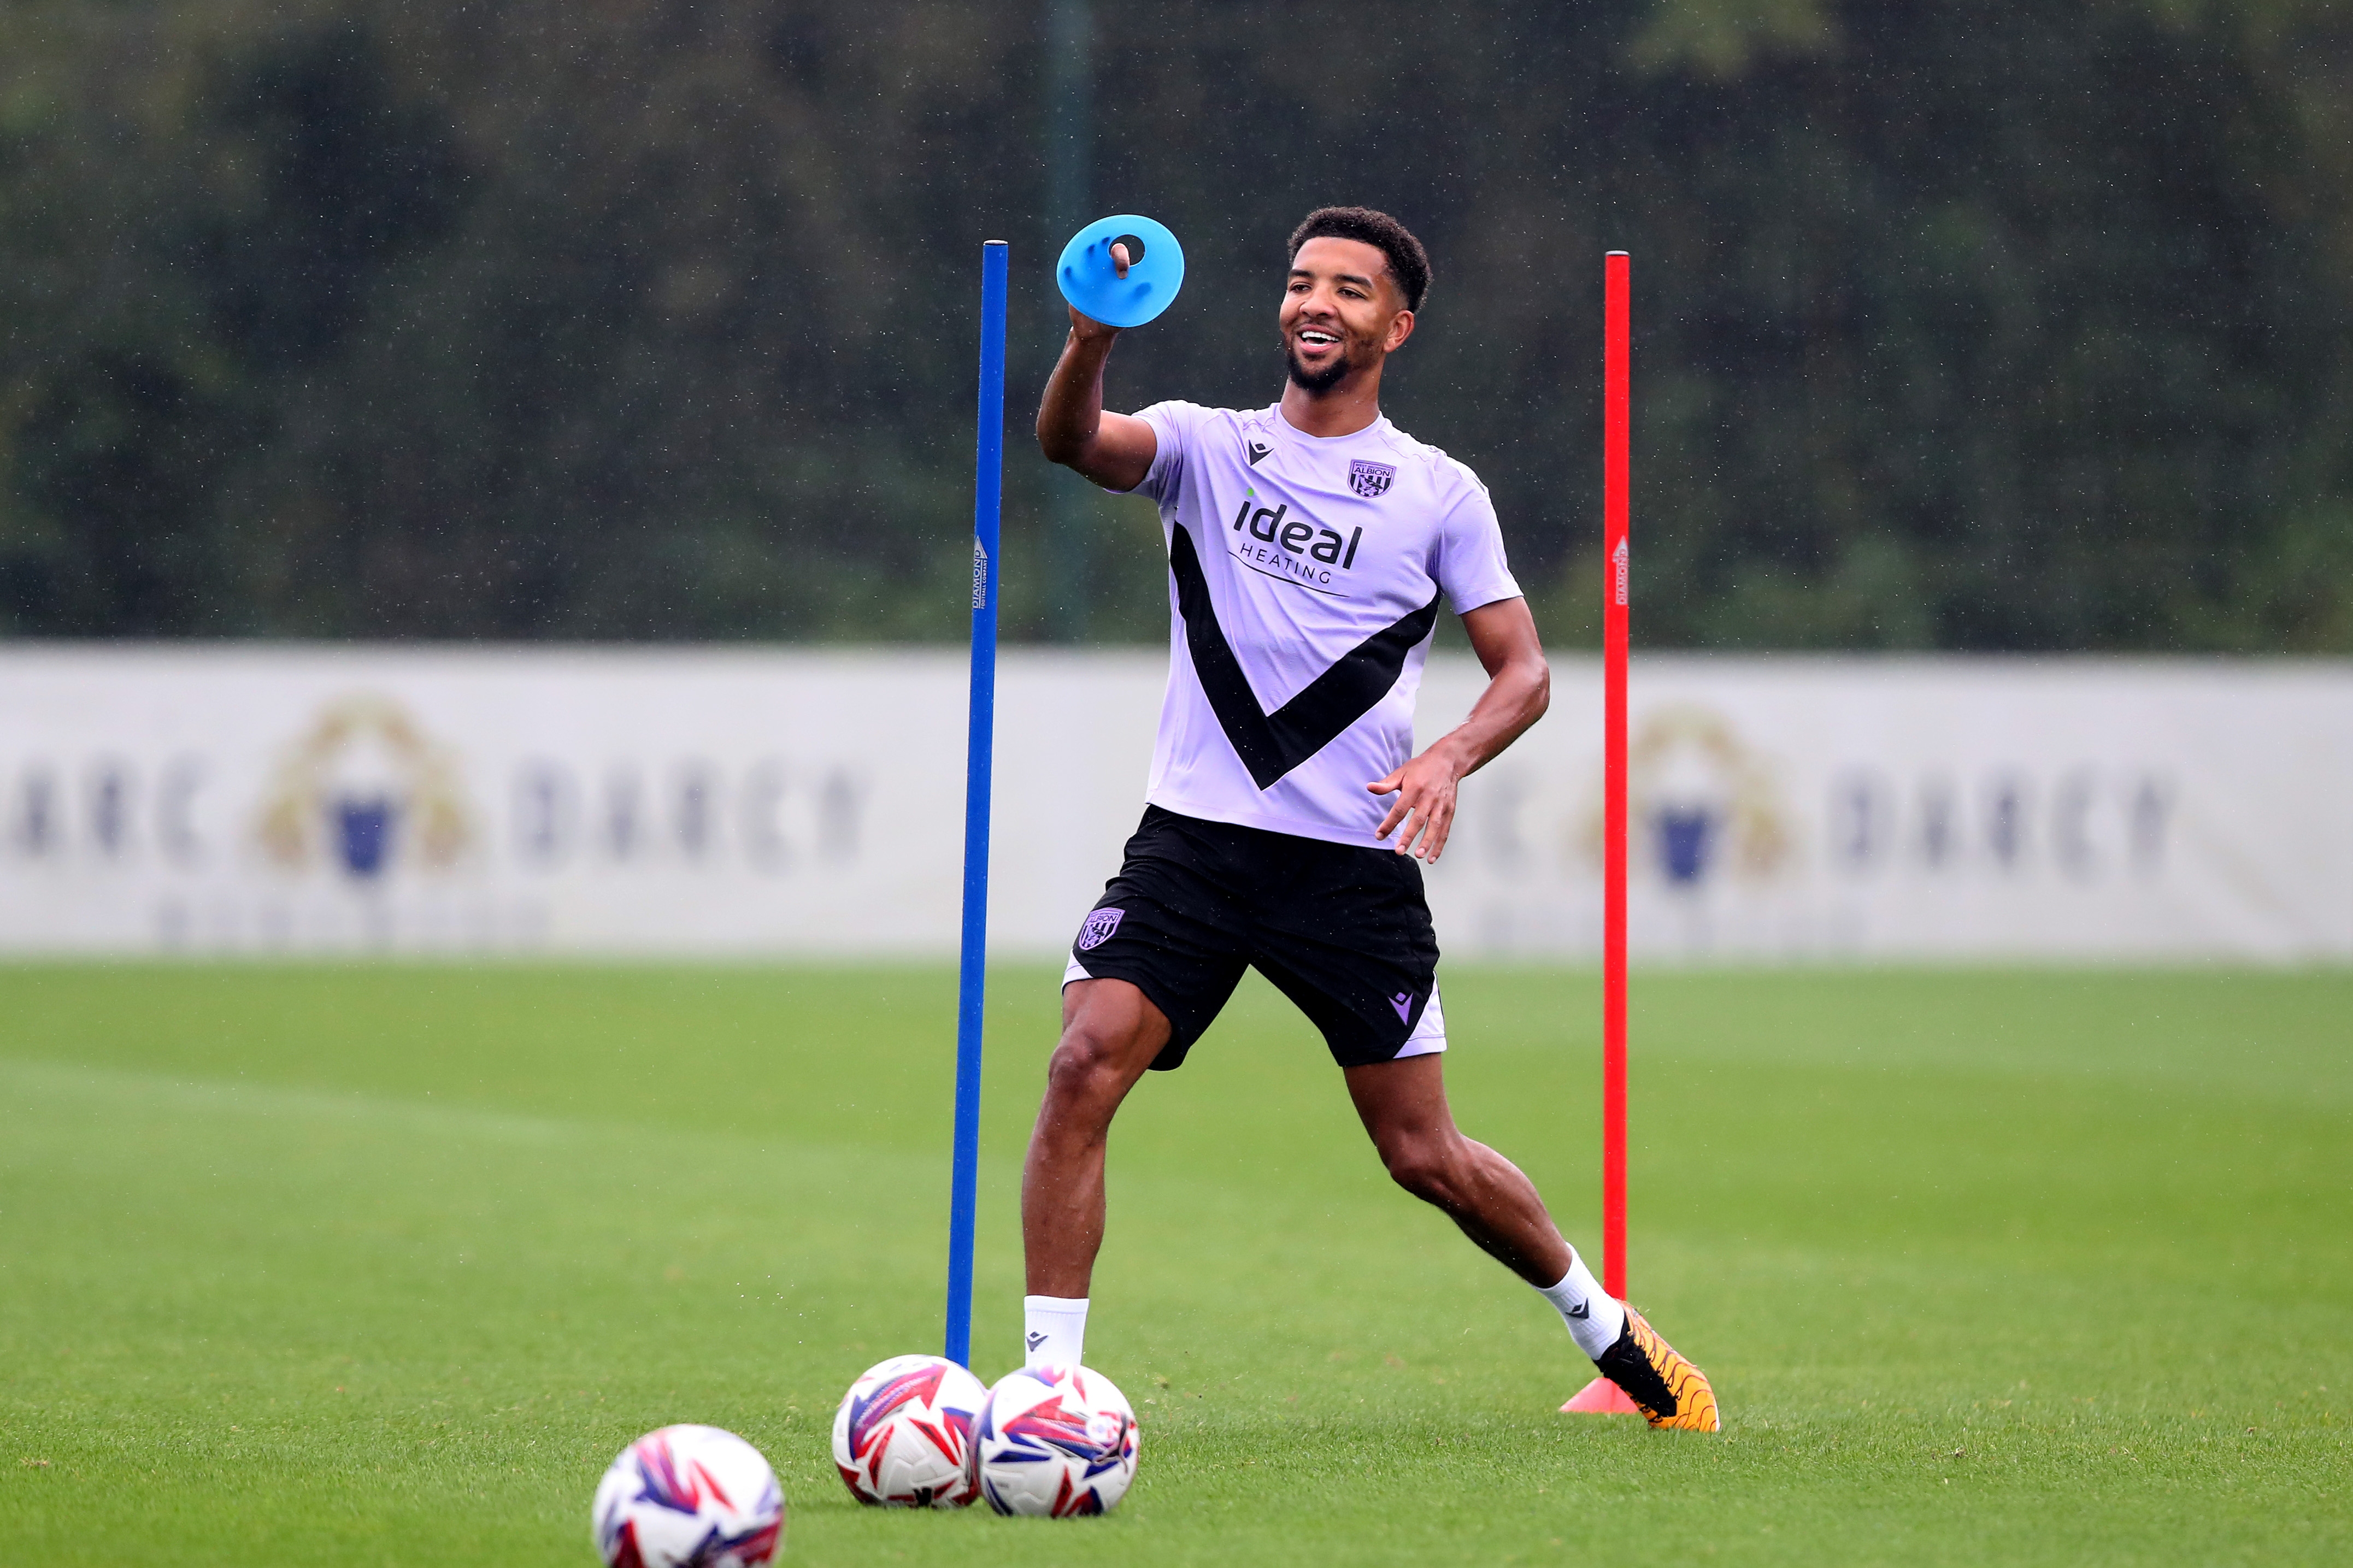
point(1272, 744)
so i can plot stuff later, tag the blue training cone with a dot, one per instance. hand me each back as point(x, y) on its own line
point(1094, 288)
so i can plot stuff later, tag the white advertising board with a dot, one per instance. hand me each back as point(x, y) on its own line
point(172, 798)
point(1925, 808)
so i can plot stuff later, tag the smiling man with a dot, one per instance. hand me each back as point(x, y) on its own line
point(1311, 545)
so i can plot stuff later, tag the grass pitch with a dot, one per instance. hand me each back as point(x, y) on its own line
point(382, 1265)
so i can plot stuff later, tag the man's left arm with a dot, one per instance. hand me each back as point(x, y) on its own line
point(1519, 688)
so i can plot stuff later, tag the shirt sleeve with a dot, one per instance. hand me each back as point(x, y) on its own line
point(1470, 565)
point(1173, 425)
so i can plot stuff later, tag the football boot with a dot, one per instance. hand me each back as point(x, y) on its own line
point(1671, 1392)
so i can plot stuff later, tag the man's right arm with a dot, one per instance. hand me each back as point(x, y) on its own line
point(1115, 450)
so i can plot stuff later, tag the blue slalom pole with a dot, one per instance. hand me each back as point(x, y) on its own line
point(972, 987)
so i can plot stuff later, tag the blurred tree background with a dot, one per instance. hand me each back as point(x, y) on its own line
point(2016, 324)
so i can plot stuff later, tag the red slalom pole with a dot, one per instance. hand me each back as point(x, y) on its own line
point(1616, 461)
point(1601, 1396)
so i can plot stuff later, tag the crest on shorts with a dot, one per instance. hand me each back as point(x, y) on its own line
point(1370, 479)
point(1098, 929)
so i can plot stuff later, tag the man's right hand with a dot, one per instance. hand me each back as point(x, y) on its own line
point(1115, 450)
point(1087, 327)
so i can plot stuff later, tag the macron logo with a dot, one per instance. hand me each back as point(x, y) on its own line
point(1582, 1311)
point(1036, 1339)
point(1257, 450)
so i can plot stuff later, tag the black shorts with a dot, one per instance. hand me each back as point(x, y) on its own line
point(1342, 931)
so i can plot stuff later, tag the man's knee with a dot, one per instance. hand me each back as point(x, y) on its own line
point(1082, 1063)
point(1095, 1058)
point(1424, 1166)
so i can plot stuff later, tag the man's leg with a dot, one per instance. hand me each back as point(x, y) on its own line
point(1111, 1032)
point(1403, 1106)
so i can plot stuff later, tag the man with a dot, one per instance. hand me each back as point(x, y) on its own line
point(1310, 545)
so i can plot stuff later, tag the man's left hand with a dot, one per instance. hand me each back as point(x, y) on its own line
point(1424, 808)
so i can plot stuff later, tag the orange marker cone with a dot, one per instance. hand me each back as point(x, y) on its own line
point(1600, 1397)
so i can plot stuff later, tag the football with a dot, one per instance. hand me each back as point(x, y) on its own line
point(1054, 1441)
point(688, 1497)
point(901, 1436)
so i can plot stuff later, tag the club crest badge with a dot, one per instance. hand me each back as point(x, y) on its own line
point(366, 790)
point(1098, 929)
point(1370, 479)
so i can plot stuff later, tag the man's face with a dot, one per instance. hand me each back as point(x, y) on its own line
point(1340, 310)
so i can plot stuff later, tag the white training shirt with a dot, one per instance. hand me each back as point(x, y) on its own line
point(1306, 575)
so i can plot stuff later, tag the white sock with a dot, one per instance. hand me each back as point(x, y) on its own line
point(1594, 1317)
point(1053, 1329)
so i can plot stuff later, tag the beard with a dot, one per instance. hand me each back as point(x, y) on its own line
point(1317, 380)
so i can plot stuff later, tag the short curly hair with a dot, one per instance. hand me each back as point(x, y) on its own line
point(1409, 263)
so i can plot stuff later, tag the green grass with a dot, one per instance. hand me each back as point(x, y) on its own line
point(380, 1264)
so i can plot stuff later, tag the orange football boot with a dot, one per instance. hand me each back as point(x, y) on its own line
point(1671, 1392)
